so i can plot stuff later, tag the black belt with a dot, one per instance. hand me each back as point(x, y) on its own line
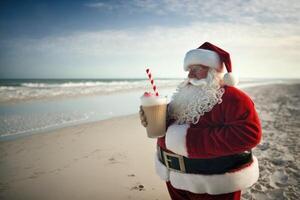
point(219, 165)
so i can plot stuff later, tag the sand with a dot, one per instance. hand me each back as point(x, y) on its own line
point(113, 159)
point(279, 151)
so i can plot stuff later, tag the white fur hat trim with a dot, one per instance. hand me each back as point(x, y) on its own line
point(202, 57)
point(230, 80)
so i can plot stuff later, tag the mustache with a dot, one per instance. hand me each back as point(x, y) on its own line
point(194, 82)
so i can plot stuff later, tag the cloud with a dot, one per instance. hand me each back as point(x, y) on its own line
point(262, 37)
point(144, 41)
point(100, 5)
point(252, 47)
point(238, 11)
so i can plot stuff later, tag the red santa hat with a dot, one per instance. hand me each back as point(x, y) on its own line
point(211, 56)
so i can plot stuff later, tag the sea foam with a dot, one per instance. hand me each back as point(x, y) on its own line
point(52, 89)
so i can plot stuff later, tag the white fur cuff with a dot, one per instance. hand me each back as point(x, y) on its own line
point(176, 139)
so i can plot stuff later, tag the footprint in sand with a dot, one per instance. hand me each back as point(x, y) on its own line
point(19, 151)
point(138, 187)
point(117, 158)
point(278, 162)
point(112, 160)
point(263, 146)
point(28, 167)
point(95, 153)
point(279, 178)
point(36, 174)
point(276, 194)
point(131, 175)
point(259, 195)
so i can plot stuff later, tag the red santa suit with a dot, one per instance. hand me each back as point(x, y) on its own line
point(230, 128)
point(212, 158)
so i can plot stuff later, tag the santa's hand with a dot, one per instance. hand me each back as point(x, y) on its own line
point(143, 117)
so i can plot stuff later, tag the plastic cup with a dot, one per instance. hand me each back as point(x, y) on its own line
point(155, 110)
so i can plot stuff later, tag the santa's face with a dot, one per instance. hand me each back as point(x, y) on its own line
point(197, 75)
point(200, 76)
point(198, 72)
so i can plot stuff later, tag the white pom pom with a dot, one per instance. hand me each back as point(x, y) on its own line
point(230, 80)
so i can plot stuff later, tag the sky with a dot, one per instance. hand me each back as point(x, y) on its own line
point(120, 39)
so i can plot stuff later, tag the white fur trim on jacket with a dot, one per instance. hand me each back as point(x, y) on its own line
point(211, 184)
point(202, 57)
point(176, 138)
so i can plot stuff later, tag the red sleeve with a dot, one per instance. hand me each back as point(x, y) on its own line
point(238, 128)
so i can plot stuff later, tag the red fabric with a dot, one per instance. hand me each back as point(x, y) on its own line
point(176, 194)
point(230, 127)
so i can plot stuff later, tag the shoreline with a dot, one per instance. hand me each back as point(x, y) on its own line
point(86, 114)
point(59, 128)
point(39, 115)
point(69, 128)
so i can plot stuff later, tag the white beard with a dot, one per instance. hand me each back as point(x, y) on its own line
point(194, 98)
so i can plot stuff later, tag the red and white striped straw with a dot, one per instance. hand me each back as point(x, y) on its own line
point(152, 81)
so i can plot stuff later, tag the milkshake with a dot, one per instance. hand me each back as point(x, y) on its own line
point(155, 109)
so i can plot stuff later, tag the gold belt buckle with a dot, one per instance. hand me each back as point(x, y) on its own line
point(180, 160)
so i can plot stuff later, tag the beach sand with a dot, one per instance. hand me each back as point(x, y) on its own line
point(113, 159)
point(279, 151)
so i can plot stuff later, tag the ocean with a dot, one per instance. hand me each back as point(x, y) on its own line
point(30, 106)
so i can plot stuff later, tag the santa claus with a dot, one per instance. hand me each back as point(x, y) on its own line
point(211, 128)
